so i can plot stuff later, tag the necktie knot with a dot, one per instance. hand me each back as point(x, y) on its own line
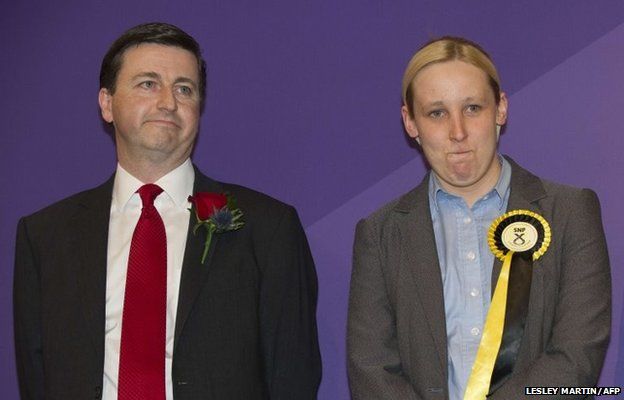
point(148, 194)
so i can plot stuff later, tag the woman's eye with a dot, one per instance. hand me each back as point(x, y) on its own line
point(436, 113)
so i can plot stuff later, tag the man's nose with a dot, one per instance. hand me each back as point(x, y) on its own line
point(167, 100)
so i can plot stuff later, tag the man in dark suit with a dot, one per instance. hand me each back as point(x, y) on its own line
point(229, 318)
point(423, 271)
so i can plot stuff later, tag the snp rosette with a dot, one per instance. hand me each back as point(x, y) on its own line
point(519, 231)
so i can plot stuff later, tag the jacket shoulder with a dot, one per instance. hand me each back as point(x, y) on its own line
point(535, 187)
point(64, 208)
point(260, 211)
point(565, 202)
point(379, 216)
point(563, 190)
point(415, 200)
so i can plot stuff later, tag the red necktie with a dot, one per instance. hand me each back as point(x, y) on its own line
point(142, 353)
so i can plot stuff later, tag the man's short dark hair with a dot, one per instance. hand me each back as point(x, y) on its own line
point(153, 32)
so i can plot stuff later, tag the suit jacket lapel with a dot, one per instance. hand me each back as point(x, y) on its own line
point(418, 247)
point(91, 244)
point(193, 272)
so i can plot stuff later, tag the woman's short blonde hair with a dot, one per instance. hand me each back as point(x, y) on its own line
point(448, 48)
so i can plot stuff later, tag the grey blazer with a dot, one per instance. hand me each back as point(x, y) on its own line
point(396, 337)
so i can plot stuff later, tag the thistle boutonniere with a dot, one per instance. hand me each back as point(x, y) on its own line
point(217, 213)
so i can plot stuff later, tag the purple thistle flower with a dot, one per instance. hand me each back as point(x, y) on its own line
point(222, 219)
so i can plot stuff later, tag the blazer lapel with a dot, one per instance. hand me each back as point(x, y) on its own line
point(193, 272)
point(91, 244)
point(418, 247)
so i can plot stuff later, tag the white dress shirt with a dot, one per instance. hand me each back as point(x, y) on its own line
point(172, 204)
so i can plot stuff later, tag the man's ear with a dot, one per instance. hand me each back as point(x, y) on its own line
point(105, 99)
point(408, 123)
point(501, 110)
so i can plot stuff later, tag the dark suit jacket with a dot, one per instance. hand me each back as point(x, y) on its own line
point(396, 330)
point(245, 326)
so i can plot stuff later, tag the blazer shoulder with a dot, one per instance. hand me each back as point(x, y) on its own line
point(548, 193)
point(568, 201)
point(257, 205)
point(416, 200)
point(379, 216)
point(64, 208)
point(566, 191)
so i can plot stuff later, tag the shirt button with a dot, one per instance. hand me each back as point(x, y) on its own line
point(467, 220)
point(475, 331)
point(474, 292)
point(471, 255)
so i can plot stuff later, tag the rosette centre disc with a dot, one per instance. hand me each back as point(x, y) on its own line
point(519, 236)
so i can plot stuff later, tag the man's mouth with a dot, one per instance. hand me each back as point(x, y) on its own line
point(164, 122)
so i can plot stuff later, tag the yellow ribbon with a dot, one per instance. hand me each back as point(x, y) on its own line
point(479, 382)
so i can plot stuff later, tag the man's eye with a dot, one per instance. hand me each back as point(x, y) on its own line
point(185, 91)
point(147, 84)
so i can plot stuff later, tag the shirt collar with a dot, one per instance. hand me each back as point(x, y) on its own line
point(501, 187)
point(177, 185)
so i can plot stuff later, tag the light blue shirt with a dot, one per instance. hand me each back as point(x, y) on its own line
point(466, 266)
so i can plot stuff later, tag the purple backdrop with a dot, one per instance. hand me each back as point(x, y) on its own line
point(303, 104)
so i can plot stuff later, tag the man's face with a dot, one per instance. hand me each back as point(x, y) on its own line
point(455, 117)
point(156, 105)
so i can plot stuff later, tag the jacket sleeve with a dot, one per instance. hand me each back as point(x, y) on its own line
point(27, 317)
point(288, 296)
point(374, 363)
point(575, 352)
